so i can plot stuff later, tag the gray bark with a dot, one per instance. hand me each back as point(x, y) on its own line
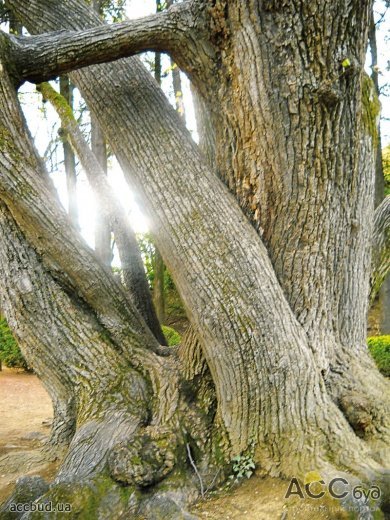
point(234, 319)
point(96, 345)
point(52, 328)
point(34, 59)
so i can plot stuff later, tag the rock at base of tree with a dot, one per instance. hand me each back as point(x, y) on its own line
point(27, 490)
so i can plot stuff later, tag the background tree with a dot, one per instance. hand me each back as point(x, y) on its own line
point(111, 211)
point(66, 90)
point(159, 267)
point(384, 291)
point(274, 275)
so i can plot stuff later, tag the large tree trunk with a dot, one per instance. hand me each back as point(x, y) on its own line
point(274, 317)
point(296, 135)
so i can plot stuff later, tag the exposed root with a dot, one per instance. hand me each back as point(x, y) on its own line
point(363, 395)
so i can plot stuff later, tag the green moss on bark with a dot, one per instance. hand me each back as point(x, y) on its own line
point(371, 108)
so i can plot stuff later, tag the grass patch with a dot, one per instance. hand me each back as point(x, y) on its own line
point(379, 347)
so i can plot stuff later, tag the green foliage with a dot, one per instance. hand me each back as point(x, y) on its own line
point(370, 108)
point(10, 353)
point(243, 467)
point(171, 335)
point(114, 10)
point(148, 251)
point(379, 346)
point(111, 10)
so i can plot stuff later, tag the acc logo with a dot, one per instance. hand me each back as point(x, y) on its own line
point(315, 487)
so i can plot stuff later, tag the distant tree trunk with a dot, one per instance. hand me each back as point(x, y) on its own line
point(384, 291)
point(66, 90)
point(159, 267)
point(99, 149)
point(176, 81)
point(379, 178)
point(102, 227)
point(158, 286)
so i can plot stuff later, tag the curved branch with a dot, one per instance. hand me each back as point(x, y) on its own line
point(380, 247)
point(175, 31)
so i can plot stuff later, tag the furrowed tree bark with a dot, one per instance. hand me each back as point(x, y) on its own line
point(169, 30)
point(130, 256)
point(104, 409)
point(29, 194)
point(265, 348)
point(277, 125)
point(78, 390)
point(231, 309)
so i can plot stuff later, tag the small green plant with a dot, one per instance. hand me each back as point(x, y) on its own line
point(379, 347)
point(243, 467)
point(10, 353)
point(171, 335)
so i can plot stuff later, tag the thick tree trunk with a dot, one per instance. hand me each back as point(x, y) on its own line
point(275, 323)
point(91, 373)
point(295, 140)
point(205, 209)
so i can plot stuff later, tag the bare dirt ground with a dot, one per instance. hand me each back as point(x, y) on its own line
point(26, 412)
point(263, 499)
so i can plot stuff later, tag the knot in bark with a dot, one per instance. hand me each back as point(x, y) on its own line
point(329, 94)
point(144, 460)
point(356, 409)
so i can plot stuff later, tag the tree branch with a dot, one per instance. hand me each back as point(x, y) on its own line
point(175, 31)
point(129, 254)
point(381, 247)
